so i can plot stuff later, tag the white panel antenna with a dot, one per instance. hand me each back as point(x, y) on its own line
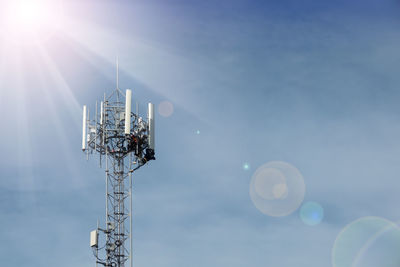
point(94, 238)
point(84, 129)
point(150, 116)
point(128, 106)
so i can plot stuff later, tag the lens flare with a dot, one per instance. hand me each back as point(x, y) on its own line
point(277, 188)
point(246, 166)
point(266, 182)
point(311, 213)
point(367, 242)
point(165, 108)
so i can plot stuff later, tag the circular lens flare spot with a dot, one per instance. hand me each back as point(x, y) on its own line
point(165, 108)
point(277, 188)
point(280, 191)
point(266, 182)
point(198, 132)
point(311, 213)
point(367, 242)
point(246, 166)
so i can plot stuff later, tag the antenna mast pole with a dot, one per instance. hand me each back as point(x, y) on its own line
point(117, 74)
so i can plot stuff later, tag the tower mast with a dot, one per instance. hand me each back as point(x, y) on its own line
point(126, 142)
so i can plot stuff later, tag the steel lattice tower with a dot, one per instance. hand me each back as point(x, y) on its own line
point(125, 142)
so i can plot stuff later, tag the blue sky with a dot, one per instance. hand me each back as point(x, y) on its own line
point(311, 84)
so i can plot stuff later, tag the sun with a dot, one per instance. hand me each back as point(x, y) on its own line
point(29, 15)
point(30, 21)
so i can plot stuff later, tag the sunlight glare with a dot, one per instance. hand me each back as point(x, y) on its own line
point(30, 21)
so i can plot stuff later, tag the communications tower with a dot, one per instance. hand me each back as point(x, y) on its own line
point(124, 142)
